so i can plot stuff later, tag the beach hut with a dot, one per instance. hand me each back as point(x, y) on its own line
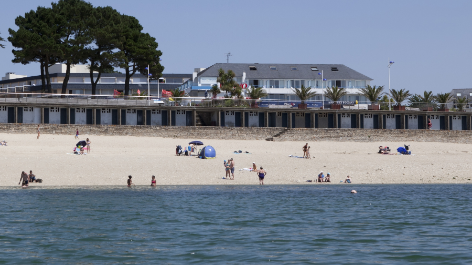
point(208, 152)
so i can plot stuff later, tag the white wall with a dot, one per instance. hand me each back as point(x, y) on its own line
point(229, 118)
point(180, 118)
point(80, 115)
point(368, 121)
point(31, 115)
point(413, 122)
point(322, 120)
point(456, 123)
point(390, 121)
point(131, 117)
point(105, 117)
point(3, 114)
point(435, 121)
point(253, 119)
point(345, 120)
point(55, 115)
point(156, 117)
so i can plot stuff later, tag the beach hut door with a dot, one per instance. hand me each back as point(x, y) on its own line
point(11, 114)
point(46, 115)
point(20, 115)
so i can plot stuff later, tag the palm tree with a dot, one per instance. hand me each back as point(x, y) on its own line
point(418, 101)
point(460, 102)
point(373, 94)
point(227, 81)
point(335, 93)
point(256, 92)
point(177, 94)
point(304, 93)
point(400, 95)
point(442, 99)
point(215, 90)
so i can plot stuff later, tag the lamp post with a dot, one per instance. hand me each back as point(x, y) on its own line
point(149, 87)
point(322, 86)
point(389, 101)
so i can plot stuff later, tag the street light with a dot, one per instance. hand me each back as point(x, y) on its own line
point(149, 88)
point(389, 101)
point(322, 87)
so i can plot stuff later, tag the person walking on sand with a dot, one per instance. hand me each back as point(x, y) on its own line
point(130, 182)
point(308, 153)
point(305, 147)
point(88, 145)
point(23, 179)
point(231, 167)
point(77, 133)
point(261, 174)
point(38, 132)
point(430, 124)
point(153, 181)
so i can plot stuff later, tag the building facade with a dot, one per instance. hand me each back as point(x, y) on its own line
point(279, 79)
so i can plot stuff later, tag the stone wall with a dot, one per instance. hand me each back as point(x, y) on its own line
point(252, 133)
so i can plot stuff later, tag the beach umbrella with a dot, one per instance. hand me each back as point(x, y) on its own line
point(196, 143)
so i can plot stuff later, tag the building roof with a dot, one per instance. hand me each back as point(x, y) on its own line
point(285, 71)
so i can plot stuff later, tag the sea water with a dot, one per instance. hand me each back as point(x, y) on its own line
point(391, 224)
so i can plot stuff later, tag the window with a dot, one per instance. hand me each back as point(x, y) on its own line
point(30, 109)
point(459, 94)
point(345, 115)
point(131, 111)
point(229, 113)
point(253, 113)
point(314, 68)
point(180, 112)
point(334, 69)
point(3, 108)
point(106, 111)
point(368, 116)
point(293, 68)
point(390, 116)
point(54, 109)
point(107, 80)
point(322, 115)
point(299, 114)
point(273, 68)
point(470, 94)
point(252, 68)
point(279, 114)
point(155, 111)
point(80, 110)
point(412, 117)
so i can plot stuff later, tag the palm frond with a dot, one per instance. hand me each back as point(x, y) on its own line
point(335, 93)
point(304, 93)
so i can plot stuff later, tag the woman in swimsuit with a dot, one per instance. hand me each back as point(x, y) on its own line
point(153, 181)
point(261, 173)
point(228, 173)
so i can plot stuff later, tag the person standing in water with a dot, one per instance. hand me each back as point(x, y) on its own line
point(153, 181)
point(130, 182)
point(38, 132)
point(261, 174)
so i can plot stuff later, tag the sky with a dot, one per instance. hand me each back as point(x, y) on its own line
point(430, 41)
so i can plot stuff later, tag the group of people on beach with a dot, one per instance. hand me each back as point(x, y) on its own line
point(261, 173)
point(130, 181)
point(327, 178)
point(25, 179)
point(229, 168)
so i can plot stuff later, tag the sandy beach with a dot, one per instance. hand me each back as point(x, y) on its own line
point(113, 158)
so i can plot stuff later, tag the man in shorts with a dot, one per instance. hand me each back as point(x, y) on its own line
point(23, 179)
point(231, 168)
point(31, 177)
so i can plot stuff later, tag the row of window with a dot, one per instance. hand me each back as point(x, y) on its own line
point(307, 83)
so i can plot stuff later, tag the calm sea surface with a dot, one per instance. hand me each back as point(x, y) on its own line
point(393, 224)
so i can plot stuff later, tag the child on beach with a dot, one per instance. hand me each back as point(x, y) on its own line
point(130, 182)
point(88, 145)
point(77, 134)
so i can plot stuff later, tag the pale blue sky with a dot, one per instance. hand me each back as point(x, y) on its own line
point(430, 41)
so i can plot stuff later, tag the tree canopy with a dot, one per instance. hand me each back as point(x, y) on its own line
point(76, 32)
point(1, 45)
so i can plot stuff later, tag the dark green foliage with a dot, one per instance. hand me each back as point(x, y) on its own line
point(227, 82)
point(1, 45)
point(372, 93)
point(256, 92)
point(400, 95)
point(335, 93)
point(304, 93)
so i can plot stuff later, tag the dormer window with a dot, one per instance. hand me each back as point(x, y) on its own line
point(314, 68)
point(273, 68)
point(252, 68)
point(334, 69)
point(293, 68)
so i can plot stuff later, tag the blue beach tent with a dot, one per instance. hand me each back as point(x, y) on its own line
point(403, 151)
point(208, 152)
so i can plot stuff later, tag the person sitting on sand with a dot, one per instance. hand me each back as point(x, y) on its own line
point(130, 182)
point(31, 177)
point(254, 167)
point(81, 150)
point(328, 178)
point(23, 179)
point(348, 179)
point(261, 174)
point(153, 181)
point(320, 177)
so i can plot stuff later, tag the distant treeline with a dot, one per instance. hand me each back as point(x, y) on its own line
point(76, 32)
